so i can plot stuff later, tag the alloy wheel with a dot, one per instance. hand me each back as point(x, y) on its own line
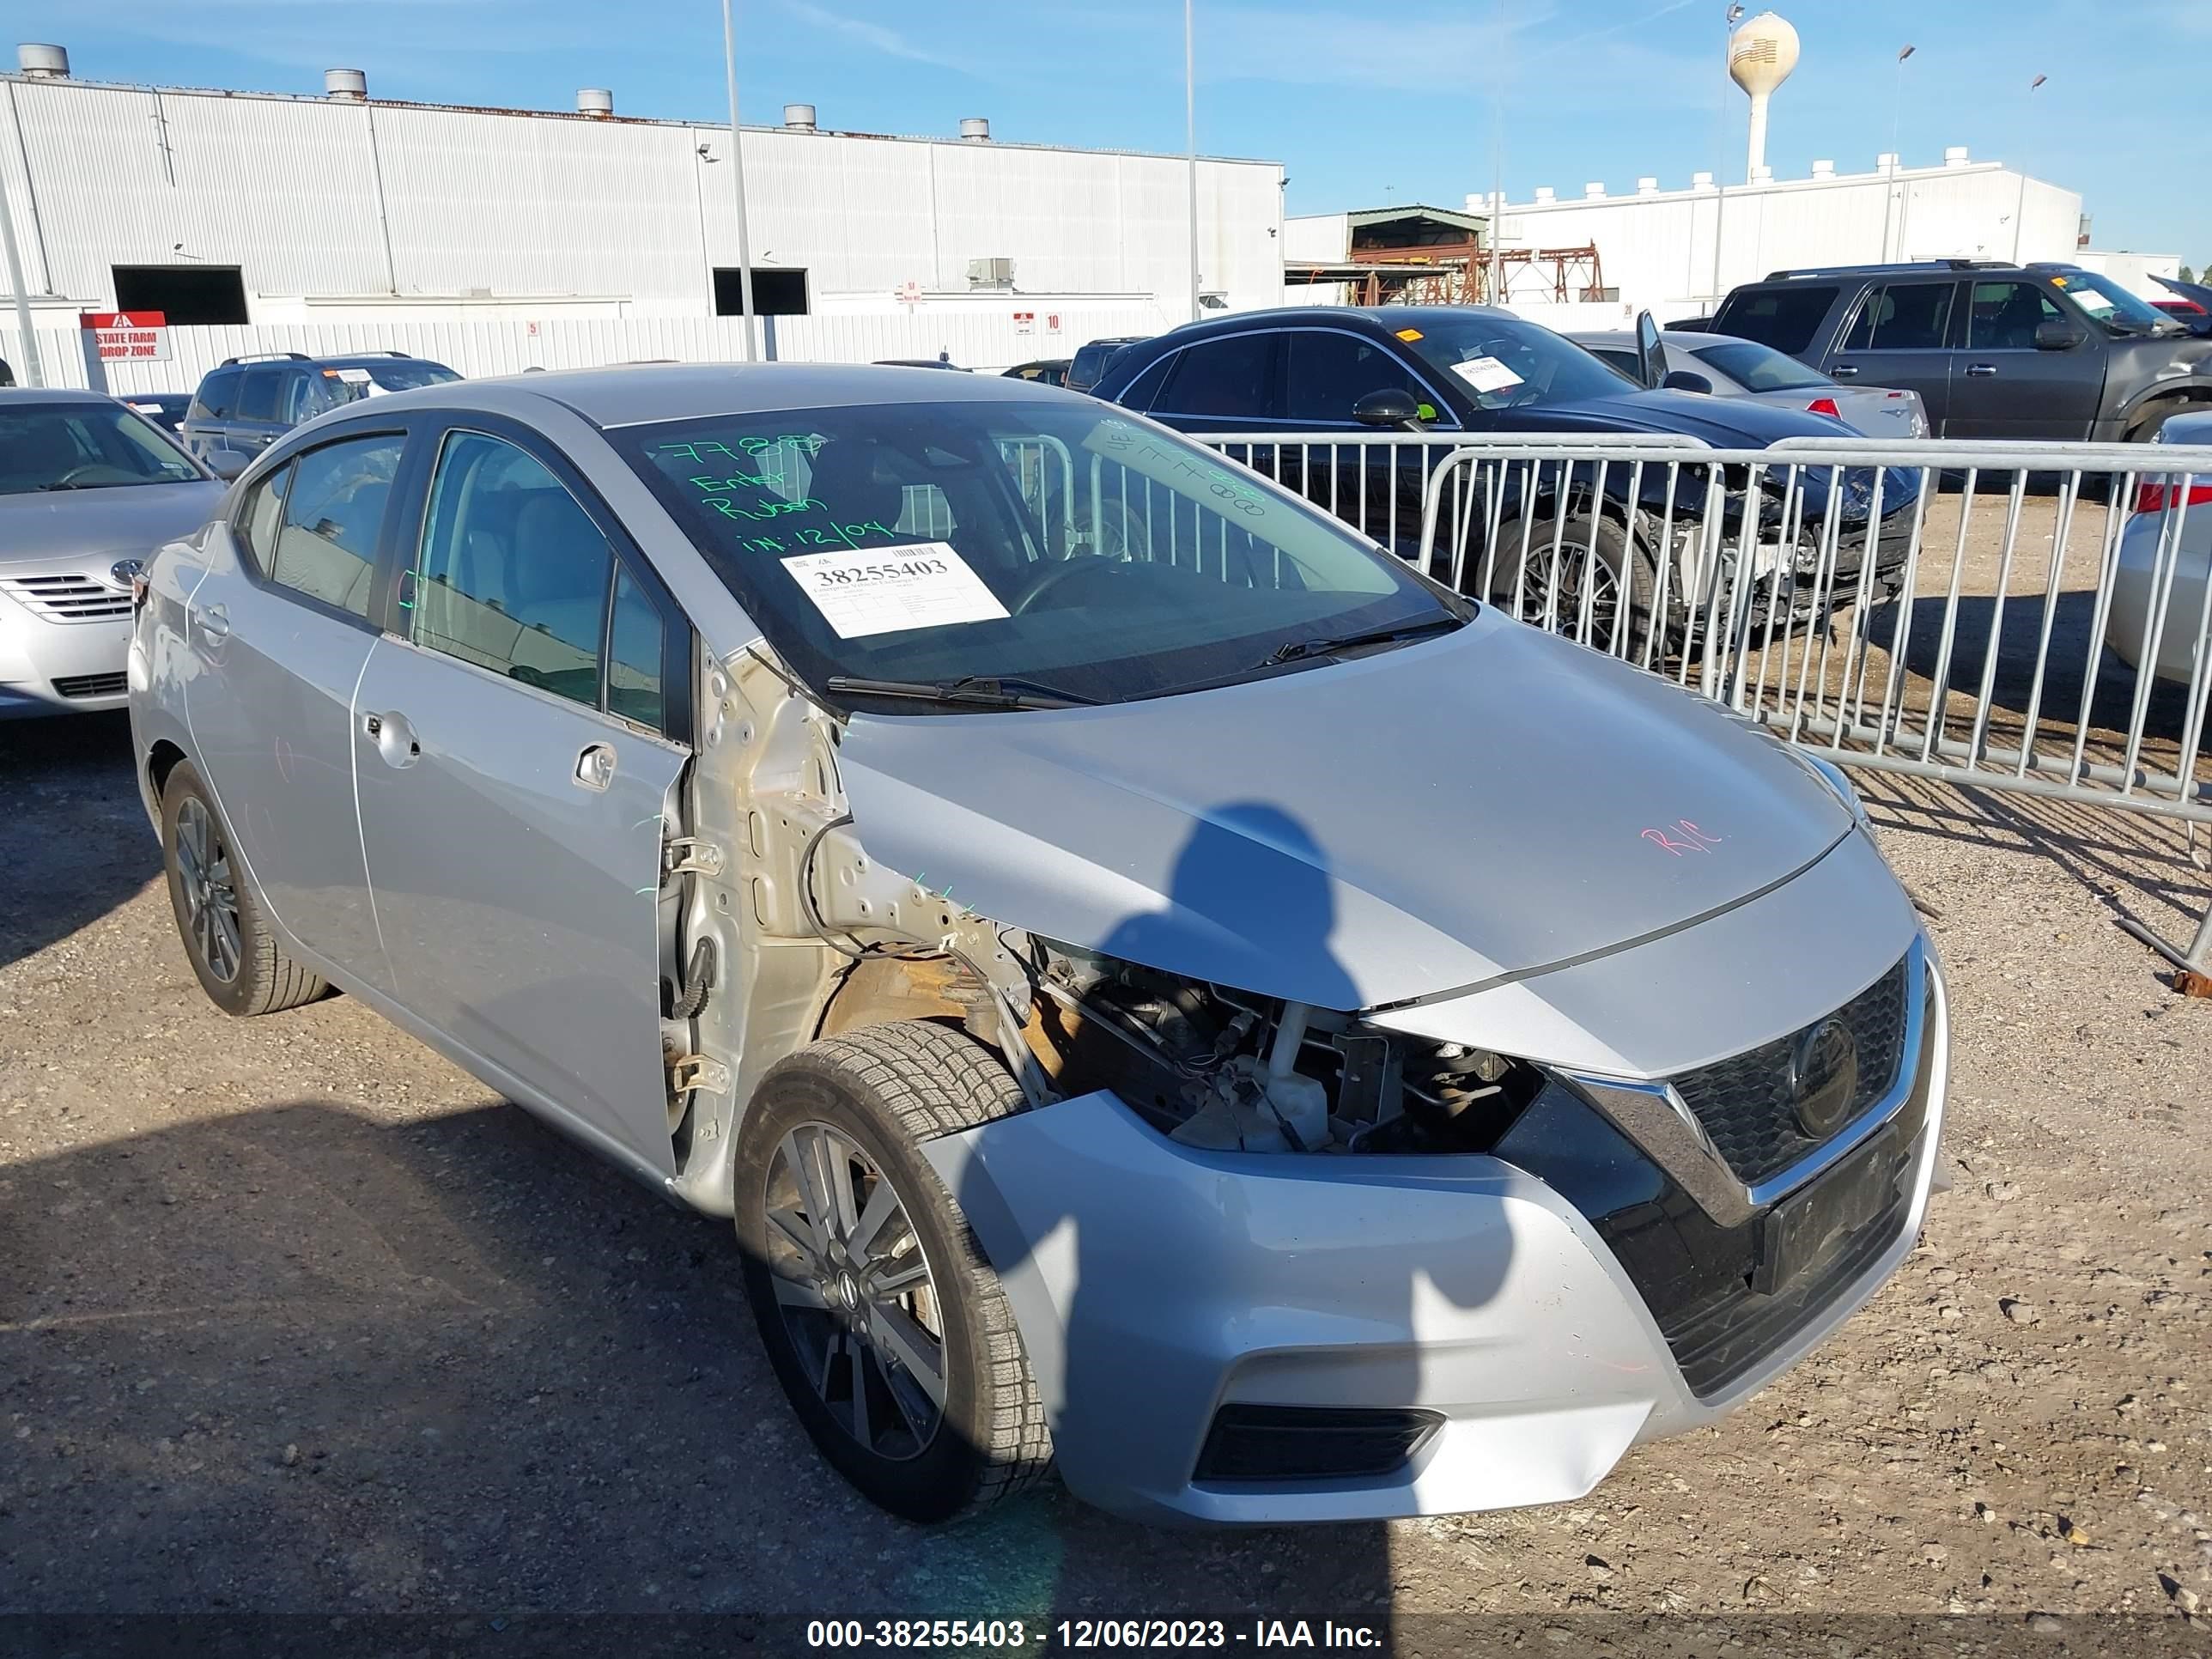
point(855, 1292)
point(210, 890)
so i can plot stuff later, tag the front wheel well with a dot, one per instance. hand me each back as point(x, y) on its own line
point(2149, 416)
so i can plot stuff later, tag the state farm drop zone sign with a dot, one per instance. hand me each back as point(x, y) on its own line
point(128, 336)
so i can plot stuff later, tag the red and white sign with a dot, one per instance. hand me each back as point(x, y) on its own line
point(1052, 322)
point(908, 294)
point(1026, 322)
point(132, 337)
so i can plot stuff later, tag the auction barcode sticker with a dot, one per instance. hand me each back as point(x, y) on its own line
point(882, 590)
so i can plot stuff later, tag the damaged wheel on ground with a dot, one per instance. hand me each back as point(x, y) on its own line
point(1566, 572)
point(886, 1325)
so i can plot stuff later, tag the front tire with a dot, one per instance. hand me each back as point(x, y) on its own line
point(884, 1321)
point(1562, 572)
point(227, 940)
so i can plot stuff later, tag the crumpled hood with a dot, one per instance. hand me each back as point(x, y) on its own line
point(44, 526)
point(1492, 802)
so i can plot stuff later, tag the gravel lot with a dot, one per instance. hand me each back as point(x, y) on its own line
point(296, 1316)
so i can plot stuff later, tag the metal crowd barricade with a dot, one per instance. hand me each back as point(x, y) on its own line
point(1942, 609)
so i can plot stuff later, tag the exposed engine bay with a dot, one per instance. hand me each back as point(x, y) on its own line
point(1215, 1068)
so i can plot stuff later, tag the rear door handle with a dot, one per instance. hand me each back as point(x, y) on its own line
point(394, 738)
point(595, 767)
point(1980, 371)
point(212, 620)
point(1844, 372)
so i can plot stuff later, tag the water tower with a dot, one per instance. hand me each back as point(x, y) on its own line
point(1760, 56)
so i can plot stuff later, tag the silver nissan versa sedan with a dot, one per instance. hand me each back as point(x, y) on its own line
point(1163, 990)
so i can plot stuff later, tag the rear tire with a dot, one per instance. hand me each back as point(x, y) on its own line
point(227, 936)
point(859, 1322)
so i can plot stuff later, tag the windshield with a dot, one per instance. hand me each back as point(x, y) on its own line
point(351, 382)
point(2109, 304)
point(1080, 551)
point(85, 446)
point(1756, 367)
point(1503, 363)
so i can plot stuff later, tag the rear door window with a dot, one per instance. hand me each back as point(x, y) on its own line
point(1784, 318)
point(1903, 317)
point(258, 392)
point(2004, 316)
point(1326, 373)
point(333, 514)
point(1233, 379)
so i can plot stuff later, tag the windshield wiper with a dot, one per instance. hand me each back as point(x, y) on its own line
point(1292, 650)
point(974, 691)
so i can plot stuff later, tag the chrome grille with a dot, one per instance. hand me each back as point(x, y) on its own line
point(92, 685)
point(67, 598)
point(1743, 1103)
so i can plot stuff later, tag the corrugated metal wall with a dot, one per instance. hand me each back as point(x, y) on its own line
point(544, 205)
point(1669, 248)
point(974, 336)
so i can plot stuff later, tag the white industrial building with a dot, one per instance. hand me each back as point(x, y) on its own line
point(1677, 251)
point(258, 210)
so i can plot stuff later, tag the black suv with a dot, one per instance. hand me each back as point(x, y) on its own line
point(1994, 351)
point(248, 402)
point(1475, 369)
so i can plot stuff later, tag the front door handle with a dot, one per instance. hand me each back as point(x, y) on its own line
point(1844, 372)
point(1980, 371)
point(212, 620)
point(595, 767)
point(394, 738)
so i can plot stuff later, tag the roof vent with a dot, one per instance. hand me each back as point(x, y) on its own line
point(1545, 193)
point(975, 130)
point(1762, 174)
point(1885, 162)
point(1647, 186)
point(346, 85)
point(1701, 182)
point(1824, 169)
point(1955, 156)
point(799, 118)
point(43, 62)
point(1596, 190)
point(597, 102)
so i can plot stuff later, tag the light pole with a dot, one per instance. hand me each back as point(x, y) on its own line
point(1892, 198)
point(1190, 142)
point(1720, 175)
point(31, 365)
point(1497, 163)
point(738, 179)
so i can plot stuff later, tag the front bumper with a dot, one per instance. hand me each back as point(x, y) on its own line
point(60, 668)
point(1154, 1283)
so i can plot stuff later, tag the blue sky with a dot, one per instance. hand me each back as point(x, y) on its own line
point(1363, 102)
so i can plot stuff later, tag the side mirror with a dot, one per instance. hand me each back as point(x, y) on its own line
point(2056, 335)
point(227, 463)
point(1650, 356)
point(1683, 380)
point(1390, 408)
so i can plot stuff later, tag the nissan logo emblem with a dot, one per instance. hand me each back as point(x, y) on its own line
point(1823, 1078)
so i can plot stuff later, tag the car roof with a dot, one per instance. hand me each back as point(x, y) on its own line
point(636, 394)
point(1690, 339)
point(51, 394)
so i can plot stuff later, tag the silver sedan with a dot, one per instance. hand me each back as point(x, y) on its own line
point(1162, 989)
point(1731, 367)
point(89, 488)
